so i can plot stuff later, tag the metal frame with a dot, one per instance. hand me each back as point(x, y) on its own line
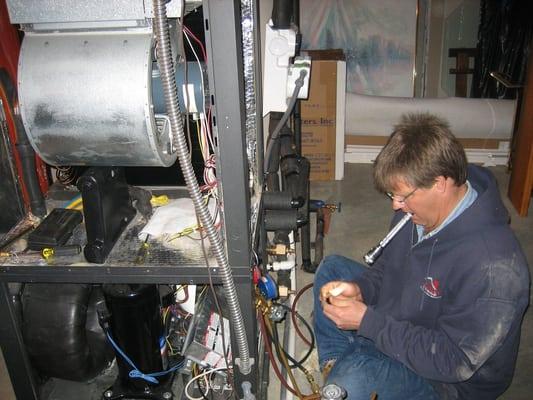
point(226, 79)
point(225, 68)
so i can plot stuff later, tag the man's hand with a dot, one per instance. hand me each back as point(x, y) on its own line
point(340, 290)
point(342, 302)
point(346, 313)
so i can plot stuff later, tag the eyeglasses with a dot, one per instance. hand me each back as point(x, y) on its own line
point(400, 199)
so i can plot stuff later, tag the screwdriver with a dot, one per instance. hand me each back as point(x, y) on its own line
point(69, 250)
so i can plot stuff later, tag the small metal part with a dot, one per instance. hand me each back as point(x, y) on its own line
point(244, 371)
point(332, 392)
point(279, 249)
point(277, 313)
point(283, 291)
point(47, 253)
point(108, 394)
point(167, 395)
point(247, 391)
point(333, 207)
point(375, 252)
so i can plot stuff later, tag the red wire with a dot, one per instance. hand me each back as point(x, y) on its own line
point(293, 314)
point(198, 41)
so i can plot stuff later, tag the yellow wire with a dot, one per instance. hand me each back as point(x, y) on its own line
point(75, 203)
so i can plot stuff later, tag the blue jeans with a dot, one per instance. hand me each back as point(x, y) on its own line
point(360, 367)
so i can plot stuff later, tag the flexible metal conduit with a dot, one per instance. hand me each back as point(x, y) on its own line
point(166, 68)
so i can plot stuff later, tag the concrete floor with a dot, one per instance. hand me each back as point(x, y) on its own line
point(363, 221)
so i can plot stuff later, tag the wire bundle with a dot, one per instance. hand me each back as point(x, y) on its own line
point(206, 376)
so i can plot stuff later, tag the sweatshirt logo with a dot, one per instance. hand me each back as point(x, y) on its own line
point(431, 287)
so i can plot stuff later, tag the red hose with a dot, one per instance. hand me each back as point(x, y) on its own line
point(271, 355)
point(293, 314)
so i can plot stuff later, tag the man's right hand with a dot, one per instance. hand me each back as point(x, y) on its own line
point(340, 289)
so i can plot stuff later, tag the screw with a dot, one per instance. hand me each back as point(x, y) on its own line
point(108, 393)
point(167, 395)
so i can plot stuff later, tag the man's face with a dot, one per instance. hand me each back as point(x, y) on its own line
point(424, 204)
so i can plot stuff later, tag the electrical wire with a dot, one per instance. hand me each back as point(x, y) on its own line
point(74, 202)
point(298, 363)
point(135, 373)
point(285, 357)
point(201, 375)
point(207, 146)
point(262, 327)
point(219, 310)
point(293, 312)
point(185, 289)
point(198, 41)
point(275, 134)
point(186, 77)
point(202, 393)
point(66, 175)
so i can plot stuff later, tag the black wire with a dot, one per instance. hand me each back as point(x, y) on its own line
point(296, 363)
point(202, 393)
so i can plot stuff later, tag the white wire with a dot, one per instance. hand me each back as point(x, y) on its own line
point(203, 374)
point(199, 65)
point(204, 123)
point(205, 133)
point(209, 137)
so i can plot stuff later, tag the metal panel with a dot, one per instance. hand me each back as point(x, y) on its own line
point(68, 11)
point(85, 99)
point(50, 11)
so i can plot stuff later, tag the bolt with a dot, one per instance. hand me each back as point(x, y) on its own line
point(167, 395)
point(108, 393)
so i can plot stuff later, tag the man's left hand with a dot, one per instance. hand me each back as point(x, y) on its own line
point(347, 314)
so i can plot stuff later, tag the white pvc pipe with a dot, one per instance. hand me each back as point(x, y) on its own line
point(289, 263)
point(468, 118)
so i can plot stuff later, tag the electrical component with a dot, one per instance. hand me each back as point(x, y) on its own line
point(208, 341)
point(300, 63)
point(280, 46)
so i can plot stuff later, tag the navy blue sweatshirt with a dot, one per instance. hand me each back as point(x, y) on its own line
point(451, 306)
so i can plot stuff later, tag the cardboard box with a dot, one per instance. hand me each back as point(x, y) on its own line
point(323, 120)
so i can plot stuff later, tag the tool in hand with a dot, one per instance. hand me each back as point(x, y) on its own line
point(375, 252)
